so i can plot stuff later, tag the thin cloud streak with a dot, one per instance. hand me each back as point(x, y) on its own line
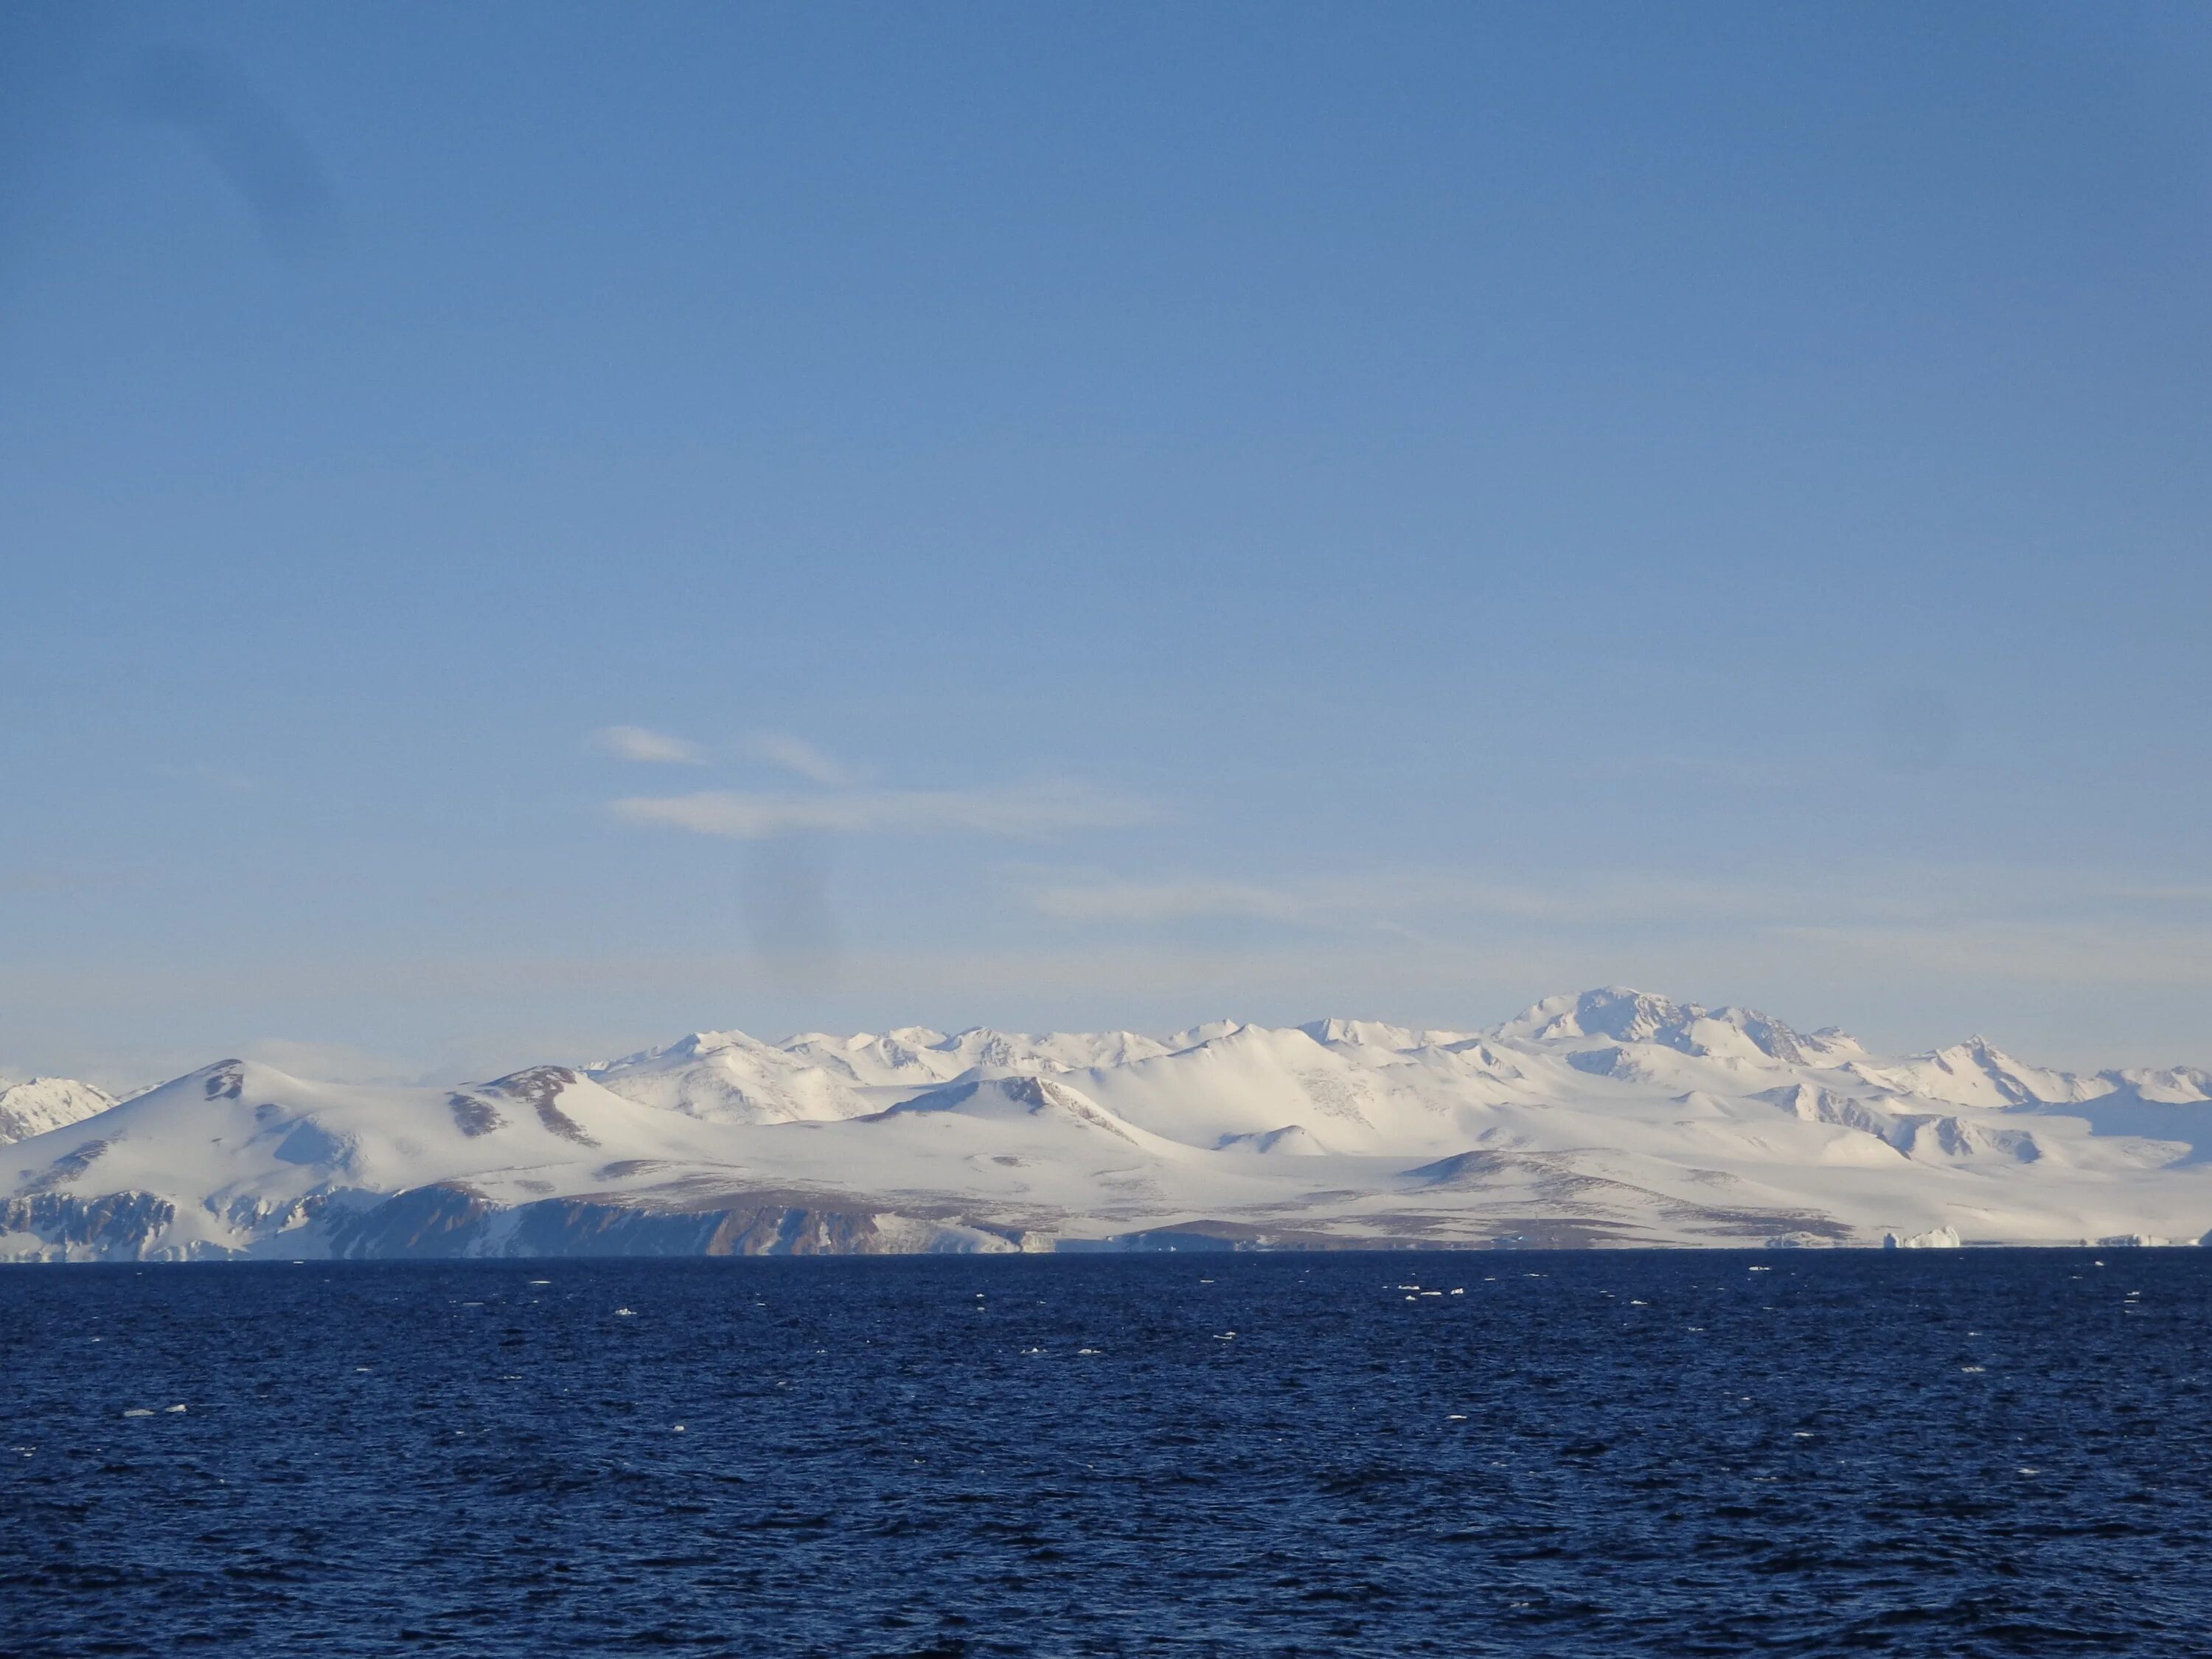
point(798, 757)
point(2032, 953)
point(1172, 901)
point(1898, 899)
point(1020, 812)
point(636, 742)
point(1385, 899)
point(2007, 925)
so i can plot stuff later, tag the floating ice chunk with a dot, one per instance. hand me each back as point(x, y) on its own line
point(541, 1281)
point(625, 1313)
point(676, 1428)
point(1461, 1290)
point(1936, 1238)
point(176, 1408)
point(1086, 1351)
point(139, 1411)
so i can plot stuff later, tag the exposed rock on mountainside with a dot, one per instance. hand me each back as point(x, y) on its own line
point(1616, 1117)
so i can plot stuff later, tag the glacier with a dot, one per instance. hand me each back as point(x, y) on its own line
point(1613, 1118)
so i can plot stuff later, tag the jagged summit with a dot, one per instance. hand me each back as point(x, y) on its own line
point(1616, 1116)
point(1613, 1010)
point(1627, 1015)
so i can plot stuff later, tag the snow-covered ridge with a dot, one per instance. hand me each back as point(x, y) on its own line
point(46, 1103)
point(1608, 1118)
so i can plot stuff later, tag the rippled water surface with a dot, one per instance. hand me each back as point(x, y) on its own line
point(1944, 1453)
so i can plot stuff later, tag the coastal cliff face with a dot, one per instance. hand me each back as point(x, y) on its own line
point(1613, 1118)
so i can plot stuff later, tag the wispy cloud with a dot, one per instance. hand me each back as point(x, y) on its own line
point(1381, 898)
point(332, 1062)
point(1170, 901)
point(2046, 951)
point(1988, 923)
point(797, 755)
point(636, 742)
point(1021, 811)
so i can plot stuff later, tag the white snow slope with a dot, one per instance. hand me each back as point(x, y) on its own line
point(1611, 1118)
point(46, 1103)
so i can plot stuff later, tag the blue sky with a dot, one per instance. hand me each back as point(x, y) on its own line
point(1105, 515)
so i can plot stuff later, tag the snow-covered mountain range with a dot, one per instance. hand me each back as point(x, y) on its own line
point(1615, 1117)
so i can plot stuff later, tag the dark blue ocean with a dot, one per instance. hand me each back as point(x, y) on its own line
point(1666, 1454)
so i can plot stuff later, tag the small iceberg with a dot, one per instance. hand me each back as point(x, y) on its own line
point(1800, 1241)
point(1936, 1238)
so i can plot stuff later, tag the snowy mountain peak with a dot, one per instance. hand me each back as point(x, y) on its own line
point(1361, 1033)
point(1623, 1014)
point(2174, 1085)
point(42, 1103)
point(1977, 1072)
point(708, 1042)
point(1613, 1010)
point(1626, 1015)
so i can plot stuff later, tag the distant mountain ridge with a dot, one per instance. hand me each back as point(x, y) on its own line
point(1612, 1117)
point(46, 1103)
